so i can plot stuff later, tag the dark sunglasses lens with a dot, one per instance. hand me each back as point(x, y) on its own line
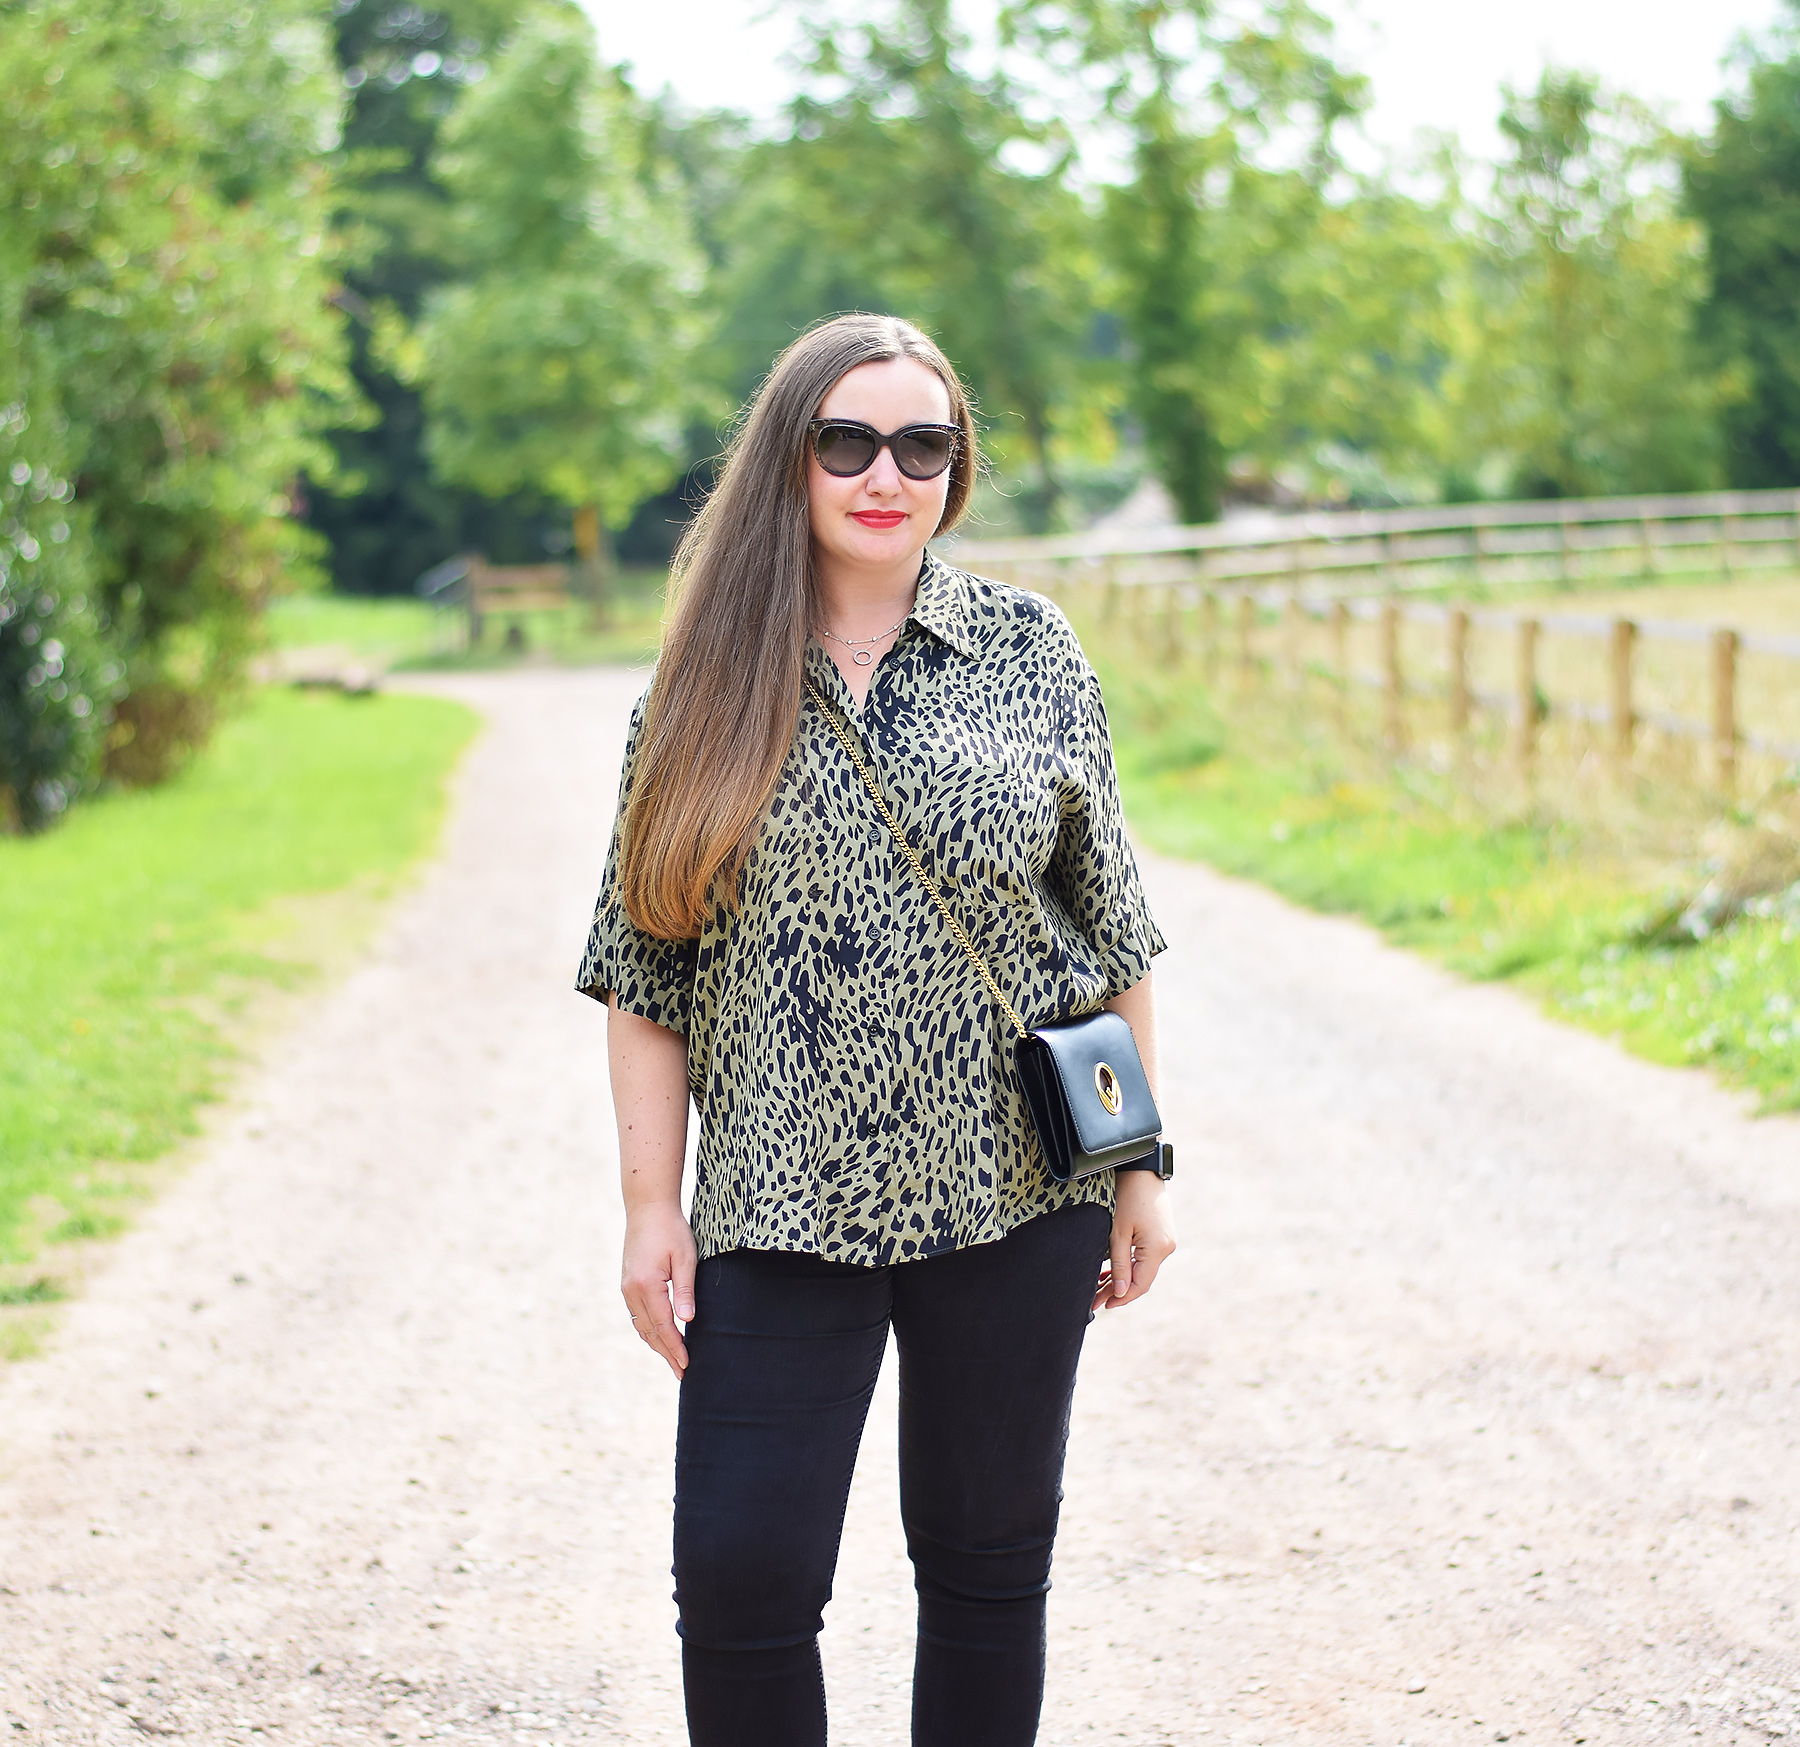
point(843, 450)
point(922, 454)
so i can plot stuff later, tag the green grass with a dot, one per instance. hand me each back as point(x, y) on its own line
point(380, 630)
point(135, 932)
point(1545, 903)
point(401, 633)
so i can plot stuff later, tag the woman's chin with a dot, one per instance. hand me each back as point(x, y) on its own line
point(880, 545)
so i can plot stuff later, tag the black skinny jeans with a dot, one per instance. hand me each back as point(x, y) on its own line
point(783, 1352)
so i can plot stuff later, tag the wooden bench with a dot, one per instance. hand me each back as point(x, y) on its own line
point(512, 590)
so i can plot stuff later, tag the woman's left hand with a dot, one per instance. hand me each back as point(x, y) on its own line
point(1143, 1238)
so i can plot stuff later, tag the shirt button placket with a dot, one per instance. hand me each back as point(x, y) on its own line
point(886, 865)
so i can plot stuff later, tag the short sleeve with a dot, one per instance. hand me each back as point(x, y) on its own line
point(653, 978)
point(1092, 871)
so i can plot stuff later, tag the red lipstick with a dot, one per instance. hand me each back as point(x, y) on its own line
point(879, 518)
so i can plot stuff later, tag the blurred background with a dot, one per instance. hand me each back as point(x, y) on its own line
point(328, 292)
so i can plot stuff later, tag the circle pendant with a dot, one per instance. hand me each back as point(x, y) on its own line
point(863, 657)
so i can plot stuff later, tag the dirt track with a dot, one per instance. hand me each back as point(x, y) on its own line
point(1470, 1410)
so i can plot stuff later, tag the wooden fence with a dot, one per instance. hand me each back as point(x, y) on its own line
point(1259, 601)
point(1495, 545)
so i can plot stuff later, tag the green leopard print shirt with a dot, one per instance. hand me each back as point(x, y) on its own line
point(856, 1090)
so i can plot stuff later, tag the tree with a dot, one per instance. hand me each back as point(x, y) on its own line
point(1339, 306)
point(387, 516)
point(58, 674)
point(1580, 375)
point(557, 361)
point(908, 182)
point(165, 278)
point(1192, 96)
point(1743, 185)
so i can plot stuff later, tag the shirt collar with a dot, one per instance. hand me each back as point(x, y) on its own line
point(941, 605)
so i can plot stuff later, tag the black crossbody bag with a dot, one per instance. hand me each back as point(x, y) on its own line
point(1084, 1080)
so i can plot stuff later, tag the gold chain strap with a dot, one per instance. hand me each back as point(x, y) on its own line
point(912, 855)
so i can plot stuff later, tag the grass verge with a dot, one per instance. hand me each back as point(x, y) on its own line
point(139, 931)
point(1561, 909)
point(403, 634)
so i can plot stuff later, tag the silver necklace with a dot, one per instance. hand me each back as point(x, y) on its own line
point(860, 653)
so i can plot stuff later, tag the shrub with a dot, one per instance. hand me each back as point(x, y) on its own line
point(166, 316)
point(58, 675)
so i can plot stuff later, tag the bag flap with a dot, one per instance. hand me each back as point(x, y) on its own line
point(1095, 1053)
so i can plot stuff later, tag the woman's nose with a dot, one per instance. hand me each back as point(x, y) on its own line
point(883, 477)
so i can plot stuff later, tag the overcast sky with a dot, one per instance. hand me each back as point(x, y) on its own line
point(1434, 63)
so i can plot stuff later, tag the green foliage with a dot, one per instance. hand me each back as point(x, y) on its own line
point(557, 362)
point(1743, 185)
point(1227, 125)
point(146, 904)
point(387, 516)
point(164, 290)
point(990, 251)
point(1581, 377)
point(57, 673)
point(1345, 318)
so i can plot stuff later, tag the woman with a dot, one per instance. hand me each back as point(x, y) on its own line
point(865, 1156)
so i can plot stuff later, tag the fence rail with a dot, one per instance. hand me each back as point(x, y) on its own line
point(1238, 589)
point(1381, 551)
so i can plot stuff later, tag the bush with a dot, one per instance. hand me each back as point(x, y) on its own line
point(58, 675)
point(166, 320)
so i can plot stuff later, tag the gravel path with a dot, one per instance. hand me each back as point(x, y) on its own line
point(1468, 1412)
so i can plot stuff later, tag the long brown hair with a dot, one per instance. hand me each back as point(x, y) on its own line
point(722, 707)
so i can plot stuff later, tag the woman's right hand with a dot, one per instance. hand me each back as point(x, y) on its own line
point(658, 1281)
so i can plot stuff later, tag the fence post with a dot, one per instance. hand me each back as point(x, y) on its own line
point(1340, 661)
point(1478, 552)
point(1293, 628)
point(1209, 634)
point(1624, 719)
point(1647, 540)
point(1724, 712)
point(478, 567)
point(1726, 529)
point(1562, 547)
point(1457, 660)
point(1172, 626)
point(1525, 694)
point(1140, 610)
point(1392, 686)
point(1246, 618)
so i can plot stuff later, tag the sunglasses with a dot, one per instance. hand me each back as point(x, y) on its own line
point(847, 447)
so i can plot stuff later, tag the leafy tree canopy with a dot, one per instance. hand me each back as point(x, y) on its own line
point(171, 353)
point(1579, 373)
point(1743, 185)
point(558, 361)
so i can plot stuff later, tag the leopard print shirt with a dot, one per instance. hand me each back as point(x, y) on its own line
point(855, 1086)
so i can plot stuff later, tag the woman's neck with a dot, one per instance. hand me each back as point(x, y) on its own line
point(854, 601)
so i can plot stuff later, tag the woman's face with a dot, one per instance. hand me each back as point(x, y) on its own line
point(880, 517)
